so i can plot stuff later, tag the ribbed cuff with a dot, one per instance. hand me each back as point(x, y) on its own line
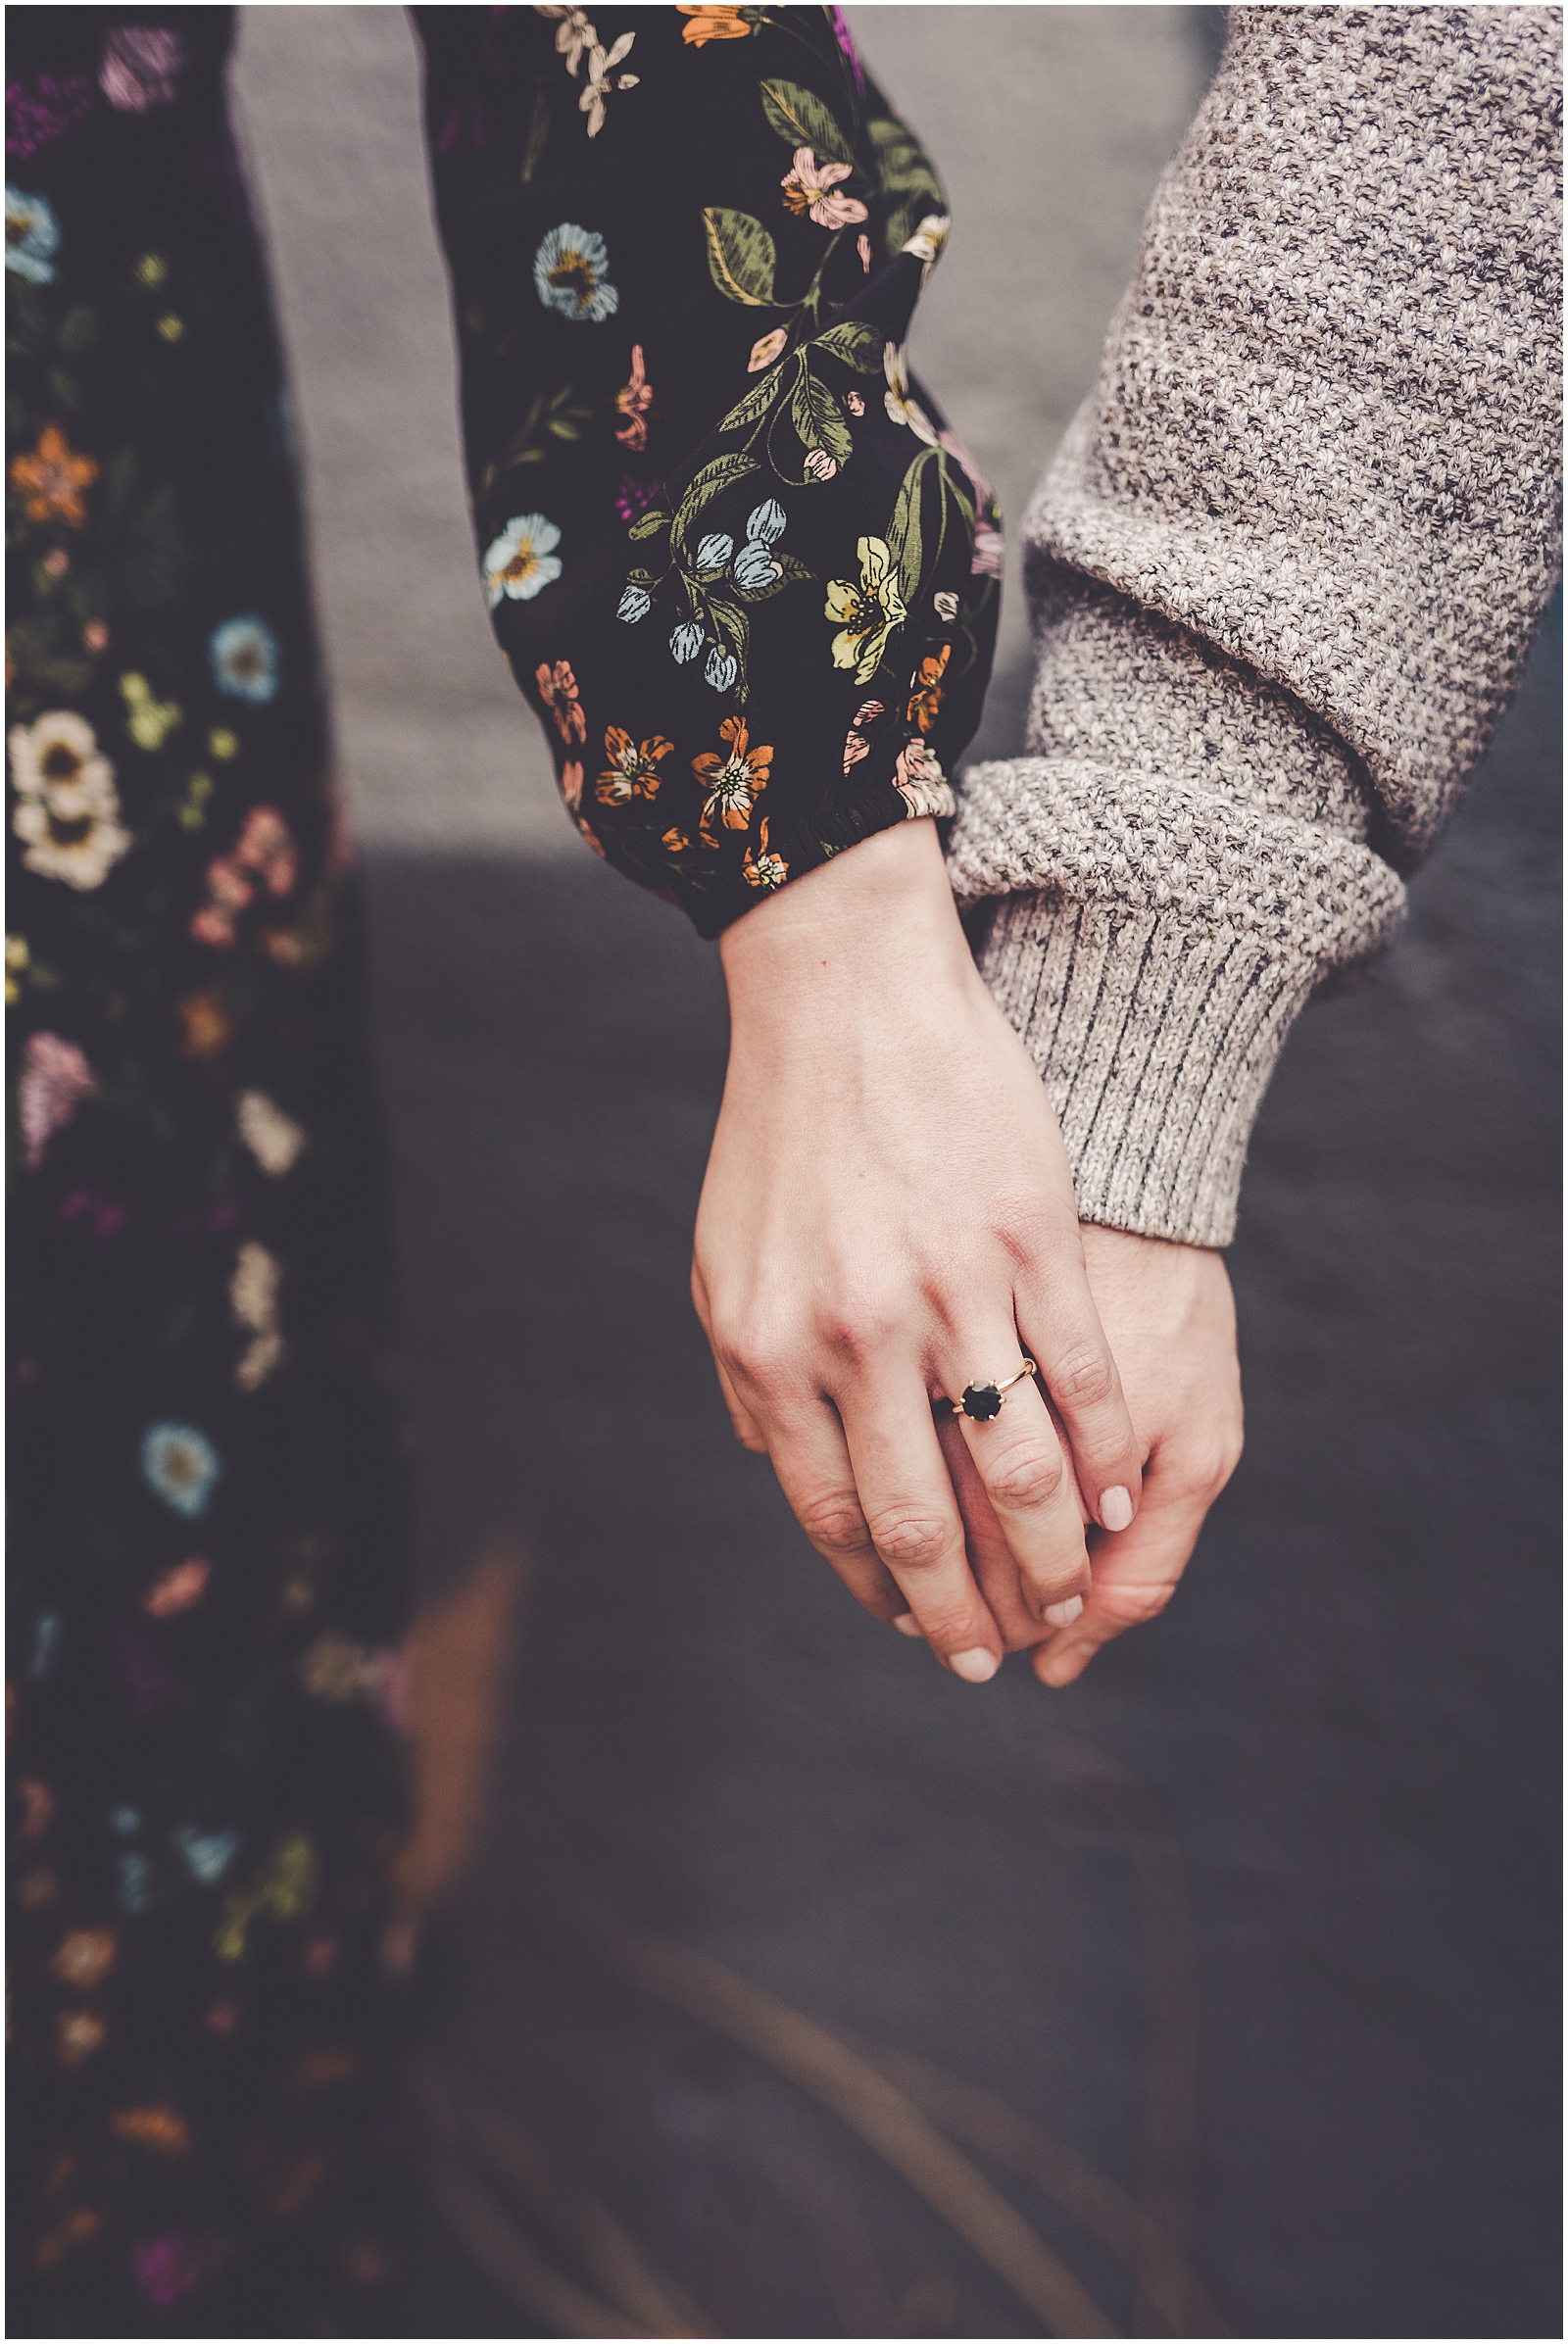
point(1157, 1037)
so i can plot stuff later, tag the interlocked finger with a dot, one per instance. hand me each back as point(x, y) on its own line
point(812, 1464)
point(1029, 1483)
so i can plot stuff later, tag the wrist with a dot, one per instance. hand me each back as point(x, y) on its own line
point(875, 920)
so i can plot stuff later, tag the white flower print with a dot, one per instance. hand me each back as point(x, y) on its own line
point(900, 405)
point(522, 559)
point(55, 1079)
point(273, 1138)
point(67, 810)
point(253, 1305)
point(576, 38)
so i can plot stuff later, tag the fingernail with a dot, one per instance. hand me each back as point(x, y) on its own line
point(1058, 1667)
point(1062, 1615)
point(907, 1623)
point(975, 1668)
point(1115, 1510)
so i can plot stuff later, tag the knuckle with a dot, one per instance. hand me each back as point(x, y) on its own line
point(752, 1352)
point(908, 1541)
point(1027, 1479)
point(1135, 1606)
point(857, 1335)
point(1083, 1376)
point(833, 1522)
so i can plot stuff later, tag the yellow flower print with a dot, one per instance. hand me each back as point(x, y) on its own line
point(867, 613)
point(148, 721)
point(732, 780)
point(761, 868)
point(633, 770)
point(52, 480)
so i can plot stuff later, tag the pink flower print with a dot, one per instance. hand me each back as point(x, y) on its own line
point(571, 785)
point(266, 846)
point(807, 186)
point(633, 401)
point(466, 122)
point(764, 352)
point(106, 1218)
point(95, 636)
point(141, 68)
point(856, 744)
point(44, 109)
point(55, 1079)
point(863, 245)
point(168, 2268)
point(855, 403)
point(988, 559)
point(820, 464)
point(178, 1589)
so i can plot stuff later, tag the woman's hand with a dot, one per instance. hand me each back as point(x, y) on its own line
point(888, 1215)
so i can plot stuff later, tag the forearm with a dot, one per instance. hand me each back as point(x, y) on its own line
point(1283, 572)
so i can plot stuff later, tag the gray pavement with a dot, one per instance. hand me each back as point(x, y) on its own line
point(1349, 1718)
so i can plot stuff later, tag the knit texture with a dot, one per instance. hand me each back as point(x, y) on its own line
point(1283, 573)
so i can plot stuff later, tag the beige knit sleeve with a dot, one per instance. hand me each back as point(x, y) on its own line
point(1283, 575)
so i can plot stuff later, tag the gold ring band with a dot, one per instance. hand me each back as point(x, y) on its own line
point(980, 1401)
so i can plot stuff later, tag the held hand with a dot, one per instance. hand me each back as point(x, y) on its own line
point(1168, 1314)
point(888, 1215)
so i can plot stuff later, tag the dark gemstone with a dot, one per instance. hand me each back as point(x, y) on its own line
point(981, 1401)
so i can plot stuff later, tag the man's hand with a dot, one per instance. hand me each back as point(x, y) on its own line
point(888, 1214)
point(1169, 1319)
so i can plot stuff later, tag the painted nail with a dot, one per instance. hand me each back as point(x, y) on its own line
point(1062, 1615)
point(975, 1668)
point(908, 1624)
point(1115, 1510)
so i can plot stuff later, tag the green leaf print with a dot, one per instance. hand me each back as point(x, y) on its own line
point(800, 119)
point(741, 256)
point(858, 344)
point(711, 481)
point(818, 419)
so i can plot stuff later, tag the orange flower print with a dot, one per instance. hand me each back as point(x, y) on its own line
point(571, 784)
point(762, 869)
point(86, 1956)
point(209, 1028)
point(161, 2128)
point(178, 1589)
point(633, 401)
point(633, 770)
point(925, 701)
point(675, 841)
point(732, 781)
point(718, 24)
point(558, 689)
point(52, 480)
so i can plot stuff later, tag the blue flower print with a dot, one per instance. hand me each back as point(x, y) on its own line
point(208, 1854)
point(721, 669)
point(124, 1821)
point(634, 603)
point(136, 1883)
point(522, 559)
point(765, 523)
point(754, 566)
point(569, 274)
point(714, 551)
point(244, 658)
point(48, 1634)
point(32, 235)
point(686, 642)
point(180, 1466)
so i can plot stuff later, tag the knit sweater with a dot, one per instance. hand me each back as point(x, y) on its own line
point(1283, 575)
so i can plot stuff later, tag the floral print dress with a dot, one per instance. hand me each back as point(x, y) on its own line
point(748, 581)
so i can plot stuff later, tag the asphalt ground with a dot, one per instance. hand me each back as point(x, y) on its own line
point(1298, 1839)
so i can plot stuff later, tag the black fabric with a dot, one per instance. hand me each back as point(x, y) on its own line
point(208, 1562)
point(750, 594)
